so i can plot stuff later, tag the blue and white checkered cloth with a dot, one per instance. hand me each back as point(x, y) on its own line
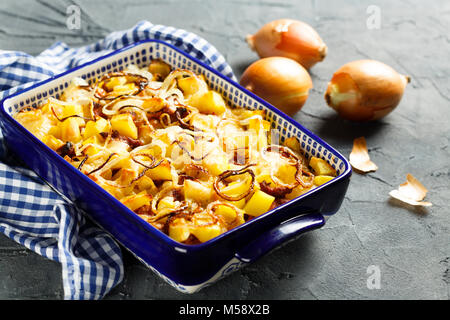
point(34, 215)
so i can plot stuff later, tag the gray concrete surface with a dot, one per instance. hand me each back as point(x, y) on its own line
point(411, 247)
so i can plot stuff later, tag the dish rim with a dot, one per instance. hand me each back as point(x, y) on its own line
point(142, 223)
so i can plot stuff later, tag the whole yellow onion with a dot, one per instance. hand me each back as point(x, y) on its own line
point(365, 90)
point(289, 38)
point(281, 81)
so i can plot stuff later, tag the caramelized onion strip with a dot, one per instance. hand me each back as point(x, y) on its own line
point(182, 147)
point(82, 162)
point(139, 80)
point(299, 176)
point(289, 154)
point(72, 116)
point(153, 164)
point(103, 164)
point(228, 173)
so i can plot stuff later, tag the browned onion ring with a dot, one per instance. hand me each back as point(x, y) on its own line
point(132, 181)
point(211, 210)
point(183, 124)
point(104, 163)
point(287, 153)
point(130, 106)
point(166, 116)
point(72, 116)
point(298, 176)
point(179, 143)
point(277, 192)
point(82, 162)
point(195, 171)
point(178, 213)
point(229, 173)
point(152, 166)
point(139, 80)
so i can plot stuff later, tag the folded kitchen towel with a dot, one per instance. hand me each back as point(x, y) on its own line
point(33, 214)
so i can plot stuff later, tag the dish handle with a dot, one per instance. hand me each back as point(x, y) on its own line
point(281, 234)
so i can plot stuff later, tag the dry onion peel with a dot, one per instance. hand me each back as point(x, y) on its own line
point(359, 157)
point(411, 192)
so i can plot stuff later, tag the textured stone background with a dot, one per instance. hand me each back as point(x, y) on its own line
point(410, 246)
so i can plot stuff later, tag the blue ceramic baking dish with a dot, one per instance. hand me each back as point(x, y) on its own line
point(188, 268)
